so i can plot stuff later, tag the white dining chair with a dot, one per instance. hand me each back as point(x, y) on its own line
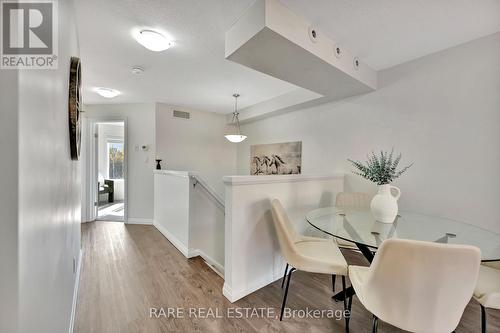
point(309, 254)
point(487, 291)
point(353, 201)
point(418, 286)
point(346, 201)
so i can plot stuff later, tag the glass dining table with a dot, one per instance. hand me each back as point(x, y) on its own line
point(360, 228)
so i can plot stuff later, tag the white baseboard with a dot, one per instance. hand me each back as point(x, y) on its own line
point(212, 263)
point(75, 292)
point(227, 292)
point(191, 253)
point(174, 240)
point(233, 295)
point(134, 220)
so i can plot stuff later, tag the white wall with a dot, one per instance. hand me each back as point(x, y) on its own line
point(252, 254)
point(171, 215)
point(189, 216)
point(206, 230)
point(40, 194)
point(140, 131)
point(441, 111)
point(195, 144)
point(8, 200)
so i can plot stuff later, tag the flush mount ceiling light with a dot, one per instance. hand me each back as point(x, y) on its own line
point(153, 40)
point(233, 130)
point(137, 70)
point(107, 92)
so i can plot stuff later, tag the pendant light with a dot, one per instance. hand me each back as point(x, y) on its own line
point(233, 130)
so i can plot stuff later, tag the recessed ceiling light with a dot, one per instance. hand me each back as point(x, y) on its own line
point(153, 40)
point(107, 92)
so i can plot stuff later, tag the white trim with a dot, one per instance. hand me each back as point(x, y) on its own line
point(212, 263)
point(172, 239)
point(196, 179)
point(175, 173)
point(227, 292)
point(75, 292)
point(94, 171)
point(233, 297)
point(91, 154)
point(253, 180)
point(191, 253)
point(134, 220)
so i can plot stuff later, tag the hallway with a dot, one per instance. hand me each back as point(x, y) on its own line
point(128, 269)
point(113, 211)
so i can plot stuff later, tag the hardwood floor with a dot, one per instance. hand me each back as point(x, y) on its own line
point(128, 269)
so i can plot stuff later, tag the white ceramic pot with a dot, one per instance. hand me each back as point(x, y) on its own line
point(384, 205)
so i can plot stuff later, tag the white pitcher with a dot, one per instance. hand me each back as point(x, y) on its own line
point(384, 205)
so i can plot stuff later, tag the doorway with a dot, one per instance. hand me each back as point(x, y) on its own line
point(110, 171)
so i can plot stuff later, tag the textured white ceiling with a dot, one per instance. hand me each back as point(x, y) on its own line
point(385, 33)
point(195, 74)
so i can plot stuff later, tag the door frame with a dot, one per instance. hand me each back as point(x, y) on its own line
point(92, 165)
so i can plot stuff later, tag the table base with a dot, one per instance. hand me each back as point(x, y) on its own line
point(349, 292)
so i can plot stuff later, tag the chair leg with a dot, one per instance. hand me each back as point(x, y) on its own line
point(349, 307)
point(286, 293)
point(483, 319)
point(375, 324)
point(334, 277)
point(346, 307)
point(343, 289)
point(284, 276)
point(347, 316)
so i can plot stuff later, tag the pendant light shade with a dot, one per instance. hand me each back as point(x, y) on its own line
point(233, 130)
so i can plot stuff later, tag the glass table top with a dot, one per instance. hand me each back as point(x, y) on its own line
point(360, 227)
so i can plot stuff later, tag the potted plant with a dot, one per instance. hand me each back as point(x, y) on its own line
point(382, 170)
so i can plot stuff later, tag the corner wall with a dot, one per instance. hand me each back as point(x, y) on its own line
point(441, 111)
point(9, 260)
point(252, 257)
point(196, 144)
point(140, 131)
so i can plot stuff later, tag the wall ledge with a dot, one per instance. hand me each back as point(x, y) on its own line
point(253, 180)
point(175, 173)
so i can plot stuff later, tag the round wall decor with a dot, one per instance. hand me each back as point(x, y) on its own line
point(74, 107)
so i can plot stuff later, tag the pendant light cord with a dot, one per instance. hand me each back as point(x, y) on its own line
point(235, 113)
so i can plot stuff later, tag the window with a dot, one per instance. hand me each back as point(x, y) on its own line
point(116, 159)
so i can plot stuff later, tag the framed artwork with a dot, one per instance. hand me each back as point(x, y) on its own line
point(276, 158)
